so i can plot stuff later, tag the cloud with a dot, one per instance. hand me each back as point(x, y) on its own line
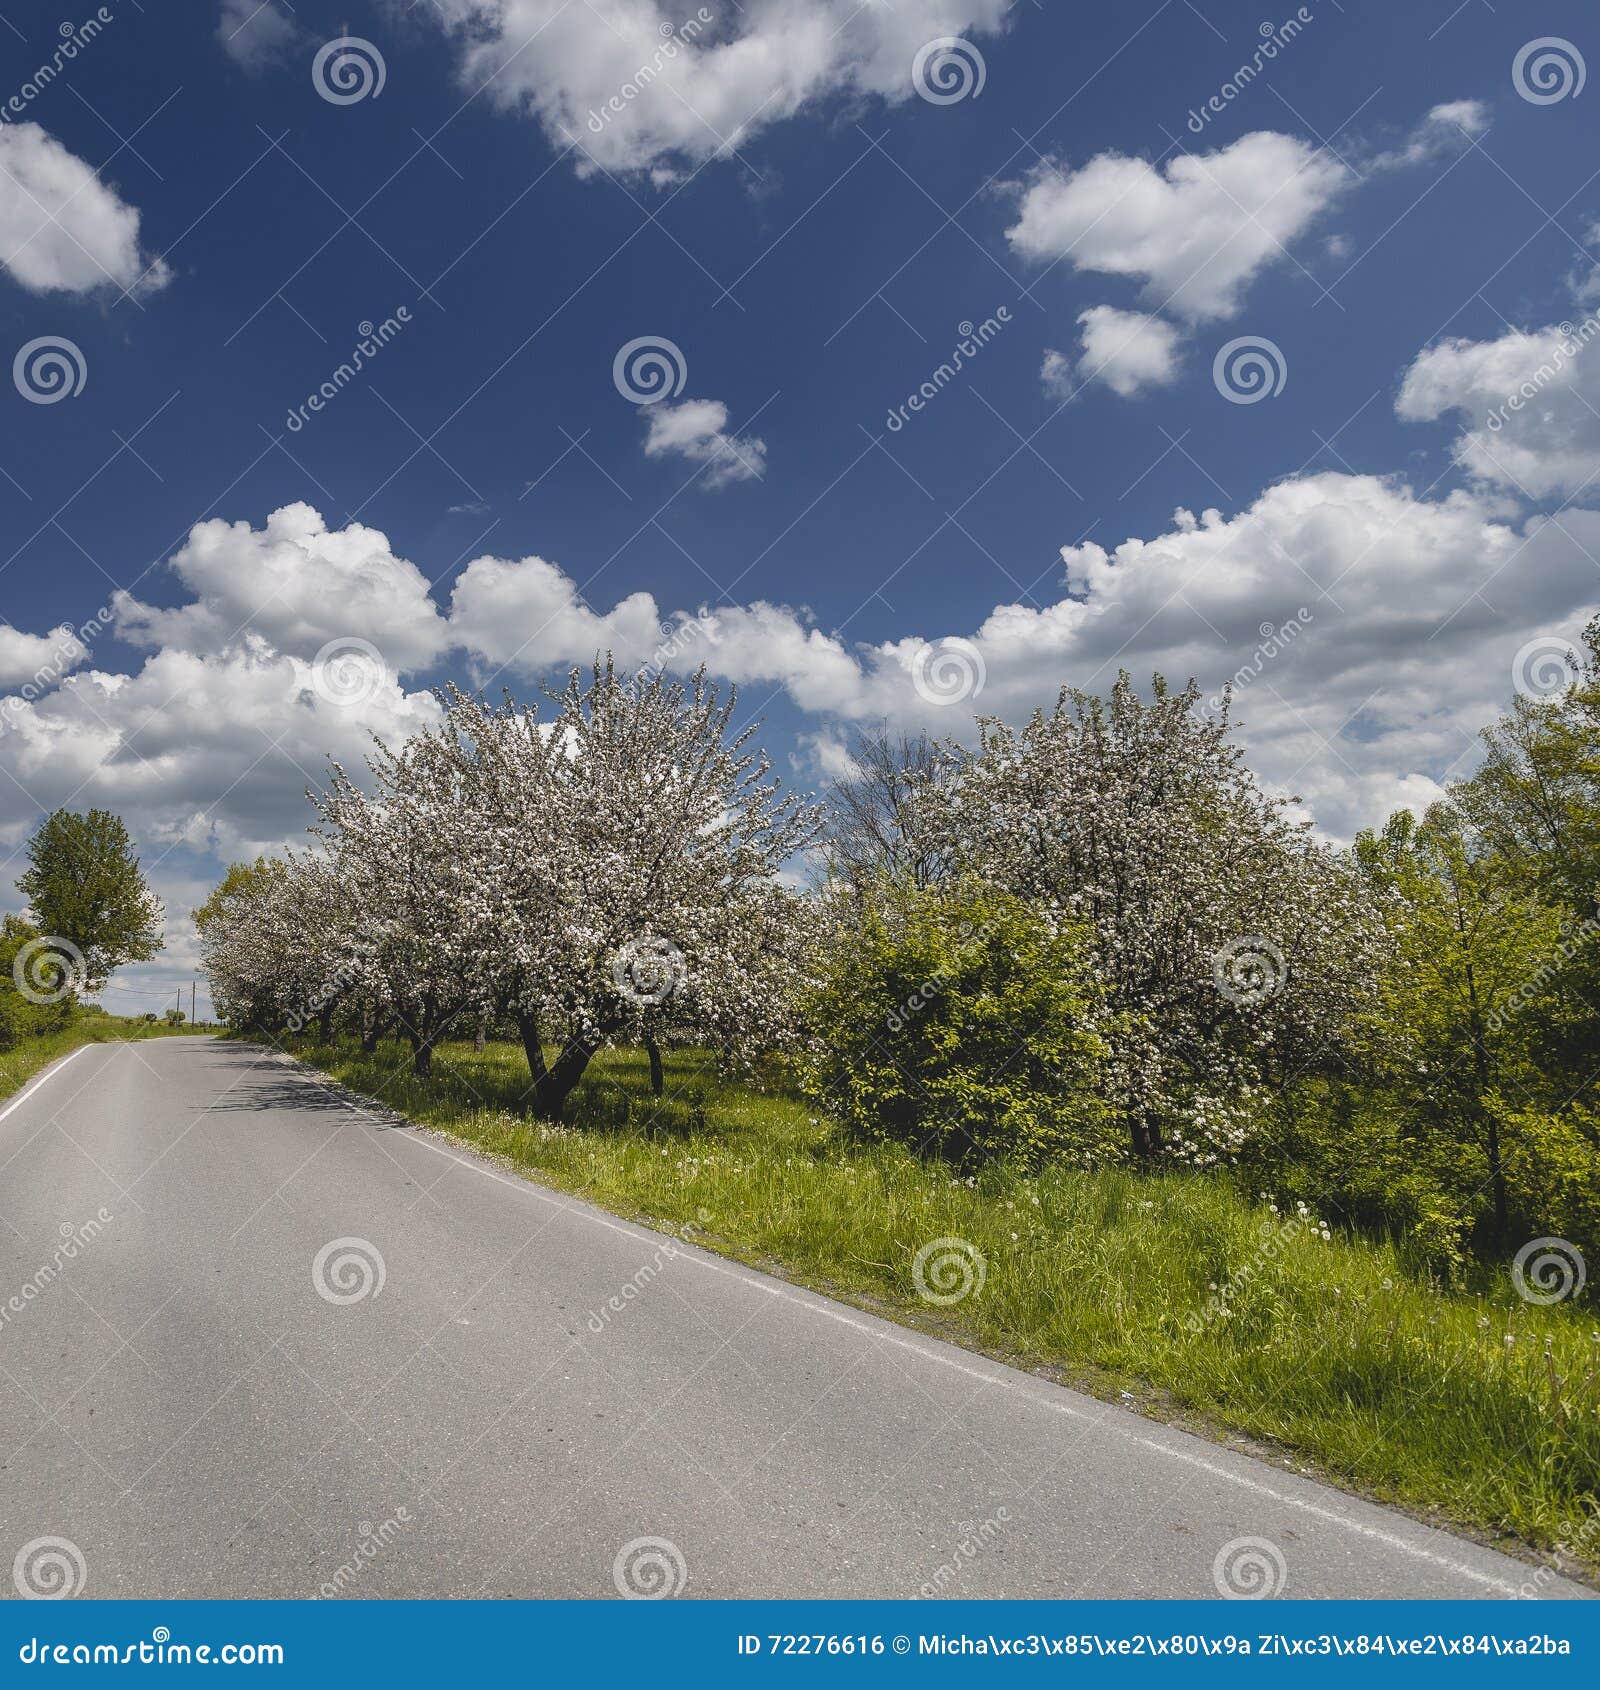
point(1415, 610)
point(1129, 351)
point(256, 34)
point(642, 87)
point(1446, 128)
point(1369, 631)
point(1196, 231)
point(38, 659)
point(296, 584)
point(204, 752)
point(697, 429)
point(528, 615)
point(62, 230)
point(1529, 403)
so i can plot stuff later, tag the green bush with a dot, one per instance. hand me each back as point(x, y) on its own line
point(20, 1017)
point(1553, 1169)
point(961, 1022)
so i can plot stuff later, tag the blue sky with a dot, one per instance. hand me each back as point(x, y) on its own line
point(808, 208)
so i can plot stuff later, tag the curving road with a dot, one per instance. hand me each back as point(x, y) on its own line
point(201, 1398)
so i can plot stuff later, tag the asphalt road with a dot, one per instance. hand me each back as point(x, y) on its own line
point(199, 1398)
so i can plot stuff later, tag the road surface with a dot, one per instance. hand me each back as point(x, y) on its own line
point(256, 1341)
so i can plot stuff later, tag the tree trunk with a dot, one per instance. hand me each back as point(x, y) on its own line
point(552, 1089)
point(421, 1053)
point(372, 1029)
point(1146, 1137)
point(1497, 1174)
point(532, 1047)
point(658, 1083)
point(325, 1022)
point(480, 1036)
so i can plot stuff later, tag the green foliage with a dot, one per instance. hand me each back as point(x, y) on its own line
point(20, 1017)
point(1553, 1169)
point(84, 885)
point(961, 1022)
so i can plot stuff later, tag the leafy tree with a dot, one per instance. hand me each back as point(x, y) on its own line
point(610, 873)
point(21, 1016)
point(1232, 945)
point(84, 885)
point(963, 1023)
point(1466, 944)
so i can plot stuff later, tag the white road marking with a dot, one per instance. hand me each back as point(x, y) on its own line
point(1058, 1405)
point(39, 1080)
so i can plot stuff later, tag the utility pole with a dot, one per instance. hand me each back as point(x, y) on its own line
point(191, 1002)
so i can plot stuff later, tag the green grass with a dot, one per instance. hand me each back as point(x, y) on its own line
point(26, 1057)
point(1482, 1412)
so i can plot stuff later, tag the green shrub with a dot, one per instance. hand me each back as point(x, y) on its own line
point(20, 1017)
point(1553, 1171)
point(961, 1022)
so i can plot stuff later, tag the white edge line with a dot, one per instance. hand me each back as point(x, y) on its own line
point(821, 1306)
point(40, 1079)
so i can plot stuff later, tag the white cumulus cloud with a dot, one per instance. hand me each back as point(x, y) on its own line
point(1196, 230)
point(642, 86)
point(1528, 401)
point(697, 430)
point(297, 584)
point(1128, 351)
point(62, 229)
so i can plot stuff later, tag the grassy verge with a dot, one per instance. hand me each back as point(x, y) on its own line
point(26, 1057)
point(1176, 1292)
